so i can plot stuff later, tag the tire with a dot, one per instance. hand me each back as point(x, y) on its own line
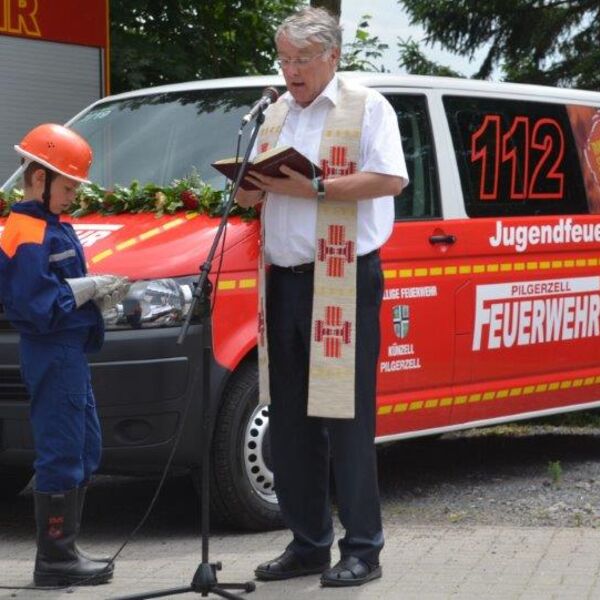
point(13, 481)
point(242, 493)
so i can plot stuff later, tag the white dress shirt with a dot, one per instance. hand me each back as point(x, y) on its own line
point(290, 223)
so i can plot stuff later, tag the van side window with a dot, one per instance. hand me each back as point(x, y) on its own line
point(515, 157)
point(420, 199)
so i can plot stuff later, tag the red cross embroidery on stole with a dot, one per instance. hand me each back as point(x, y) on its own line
point(338, 163)
point(263, 147)
point(333, 332)
point(335, 250)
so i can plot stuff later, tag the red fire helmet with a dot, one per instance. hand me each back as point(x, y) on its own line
point(59, 149)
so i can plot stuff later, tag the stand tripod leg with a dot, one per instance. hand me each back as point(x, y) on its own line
point(156, 594)
point(221, 592)
point(204, 581)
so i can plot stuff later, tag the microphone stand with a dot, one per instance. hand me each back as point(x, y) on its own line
point(205, 579)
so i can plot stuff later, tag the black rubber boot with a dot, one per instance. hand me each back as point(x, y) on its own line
point(81, 491)
point(57, 562)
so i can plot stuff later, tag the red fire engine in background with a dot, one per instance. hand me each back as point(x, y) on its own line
point(54, 59)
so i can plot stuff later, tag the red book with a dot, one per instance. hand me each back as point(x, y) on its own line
point(269, 163)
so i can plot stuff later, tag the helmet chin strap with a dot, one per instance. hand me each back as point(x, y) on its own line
point(46, 192)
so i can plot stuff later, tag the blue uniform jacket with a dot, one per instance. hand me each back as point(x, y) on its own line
point(37, 254)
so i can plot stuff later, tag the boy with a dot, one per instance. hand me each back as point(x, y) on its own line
point(56, 308)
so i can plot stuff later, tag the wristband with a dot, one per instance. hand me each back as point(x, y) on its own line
point(320, 190)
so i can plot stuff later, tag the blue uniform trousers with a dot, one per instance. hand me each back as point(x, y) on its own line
point(302, 445)
point(66, 430)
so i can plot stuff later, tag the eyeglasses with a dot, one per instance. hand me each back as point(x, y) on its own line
point(297, 62)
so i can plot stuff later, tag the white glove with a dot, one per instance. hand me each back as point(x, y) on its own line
point(83, 289)
point(104, 290)
point(110, 290)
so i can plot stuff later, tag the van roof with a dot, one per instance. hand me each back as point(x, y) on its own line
point(380, 81)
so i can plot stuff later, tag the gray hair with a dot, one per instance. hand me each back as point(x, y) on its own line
point(310, 25)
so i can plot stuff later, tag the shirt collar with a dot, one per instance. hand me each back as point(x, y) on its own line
point(35, 208)
point(330, 93)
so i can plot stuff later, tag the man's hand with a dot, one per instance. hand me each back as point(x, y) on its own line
point(293, 184)
point(357, 186)
point(248, 199)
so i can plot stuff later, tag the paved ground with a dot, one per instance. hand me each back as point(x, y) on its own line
point(458, 517)
point(419, 563)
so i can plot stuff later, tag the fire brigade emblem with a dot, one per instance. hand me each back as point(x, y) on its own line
point(333, 332)
point(336, 250)
point(401, 319)
point(55, 527)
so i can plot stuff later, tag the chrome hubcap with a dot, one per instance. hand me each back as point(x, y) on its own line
point(257, 454)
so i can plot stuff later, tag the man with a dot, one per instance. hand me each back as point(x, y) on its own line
point(325, 285)
point(57, 310)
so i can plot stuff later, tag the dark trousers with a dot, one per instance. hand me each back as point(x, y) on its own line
point(66, 430)
point(302, 445)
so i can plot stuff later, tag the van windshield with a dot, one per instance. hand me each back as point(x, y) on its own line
point(163, 137)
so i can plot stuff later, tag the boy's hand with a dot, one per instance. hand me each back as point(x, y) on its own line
point(104, 290)
point(110, 290)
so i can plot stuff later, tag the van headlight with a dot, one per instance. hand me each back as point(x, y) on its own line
point(152, 303)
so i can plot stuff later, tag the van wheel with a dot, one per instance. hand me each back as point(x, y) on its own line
point(242, 492)
point(14, 481)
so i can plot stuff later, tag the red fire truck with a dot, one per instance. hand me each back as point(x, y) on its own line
point(53, 61)
point(492, 277)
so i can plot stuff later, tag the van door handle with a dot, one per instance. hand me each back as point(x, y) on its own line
point(442, 239)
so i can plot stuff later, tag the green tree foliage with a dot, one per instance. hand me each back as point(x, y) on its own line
point(165, 41)
point(364, 52)
point(414, 61)
point(553, 42)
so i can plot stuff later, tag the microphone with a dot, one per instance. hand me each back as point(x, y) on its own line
point(269, 96)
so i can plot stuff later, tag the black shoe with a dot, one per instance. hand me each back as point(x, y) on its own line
point(350, 571)
point(57, 561)
point(286, 566)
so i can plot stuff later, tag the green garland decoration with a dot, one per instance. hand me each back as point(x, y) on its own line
point(190, 194)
